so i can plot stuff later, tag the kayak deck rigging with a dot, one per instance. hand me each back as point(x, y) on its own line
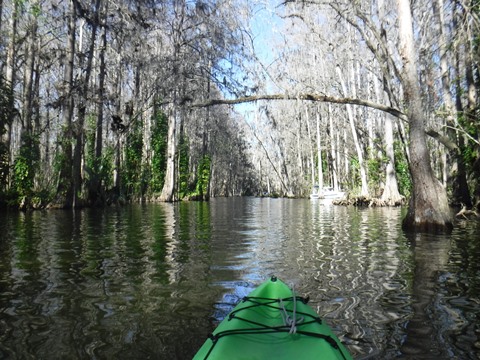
point(264, 329)
point(277, 325)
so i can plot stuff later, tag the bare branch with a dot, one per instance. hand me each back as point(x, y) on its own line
point(450, 145)
point(306, 97)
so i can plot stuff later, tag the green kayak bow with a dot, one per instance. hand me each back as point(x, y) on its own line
point(272, 323)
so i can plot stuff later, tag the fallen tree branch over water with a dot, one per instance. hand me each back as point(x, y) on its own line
point(306, 97)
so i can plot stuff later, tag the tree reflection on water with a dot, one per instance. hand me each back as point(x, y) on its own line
point(430, 257)
point(153, 280)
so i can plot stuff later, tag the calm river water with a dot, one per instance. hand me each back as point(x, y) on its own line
point(151, 281)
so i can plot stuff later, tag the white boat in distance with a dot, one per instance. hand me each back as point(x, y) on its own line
point(327, 193)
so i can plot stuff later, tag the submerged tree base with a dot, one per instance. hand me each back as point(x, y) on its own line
point(426, 219)
point(365, 201)
point(423, 216)
point(427, 224)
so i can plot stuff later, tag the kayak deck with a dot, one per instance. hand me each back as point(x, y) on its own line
point(272, 323)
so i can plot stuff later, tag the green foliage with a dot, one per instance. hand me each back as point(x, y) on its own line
point(189, 185)
point(468, 124)
point(35, 10)
point(60, 159)
point(62, 163)
point(99, 170)
point(100, 177)
point(24, 169)
point(469, 154)
point(402, 171)
point(90, 136)
point(375, 172)
point(354, 180)
point(159, 148)
point(376, 169)
point(4, 170)
point(6, 101)
point(470, 150)
point(107, 166)
point(183, 168)
point(132, 170)
point(203, 176)
point(6, 115)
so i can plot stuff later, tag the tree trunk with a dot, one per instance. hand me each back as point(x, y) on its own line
point(471, 49)
point(283, 166)
point(309, 136)
point(1, 14)
point(82, 110)
point(174, 116)
point(101, 91)
point(270, 160)
point(428, 209)
point(319, 153)
point(10, 79)
point(457, 175)
point(334, 149)
point(391, 196)
point(299, 145)
point(358, 148)
point(65, 187)
point(118, 135)
point(30, 53)
point(169, 184)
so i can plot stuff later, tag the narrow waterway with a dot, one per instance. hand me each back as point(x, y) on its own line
point(151, 281)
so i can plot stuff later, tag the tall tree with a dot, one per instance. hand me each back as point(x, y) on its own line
point(200, 36)
point(65, 190)
point(85, 94)
point(10, 77)
point(31, 54)
point(428, 209)
point(471, 47)
point(353, 128)
point(458, 176)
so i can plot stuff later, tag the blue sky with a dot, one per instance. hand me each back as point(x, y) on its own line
point(265, 26)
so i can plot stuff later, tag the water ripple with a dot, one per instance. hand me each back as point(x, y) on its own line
point(151, 281)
